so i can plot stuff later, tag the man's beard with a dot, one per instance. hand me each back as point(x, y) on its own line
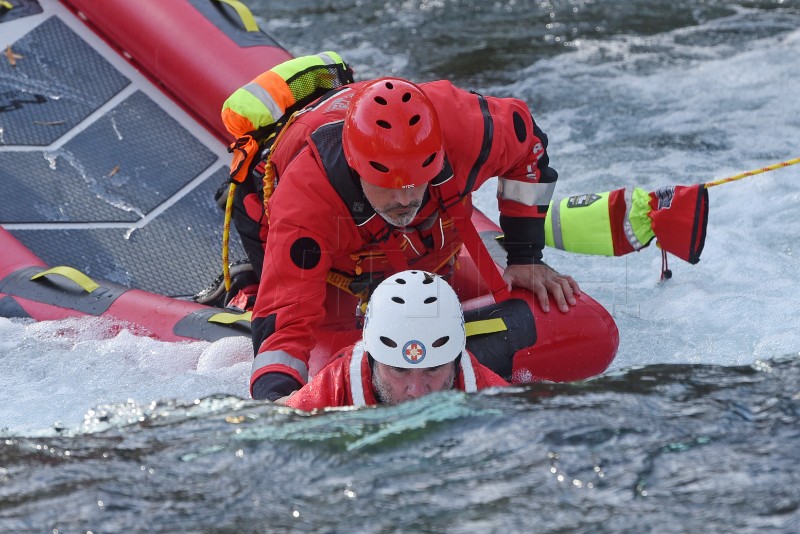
point(383, 396)
point(399, 222)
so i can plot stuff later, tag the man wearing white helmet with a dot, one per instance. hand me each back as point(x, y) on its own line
point(413, 344)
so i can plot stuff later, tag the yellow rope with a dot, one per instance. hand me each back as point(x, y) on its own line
point(752, 173)
point(269, 167)
point(226, 235)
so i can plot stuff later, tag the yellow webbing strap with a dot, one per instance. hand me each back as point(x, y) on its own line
point(485, 326)
point(83, 281)
point(244, 13)
point(230, 318)
point(7, 5)
point(473, 328)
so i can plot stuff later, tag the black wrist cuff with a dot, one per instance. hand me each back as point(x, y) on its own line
point(273, 386)
point(523, 239)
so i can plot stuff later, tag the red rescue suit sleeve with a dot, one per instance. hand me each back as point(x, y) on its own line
point(329, 388)
point(302, 238)
point(487, 137)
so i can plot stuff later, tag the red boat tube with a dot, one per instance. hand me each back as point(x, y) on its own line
point(182, 51)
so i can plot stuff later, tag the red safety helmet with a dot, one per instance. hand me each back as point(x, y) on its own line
point(392, 136)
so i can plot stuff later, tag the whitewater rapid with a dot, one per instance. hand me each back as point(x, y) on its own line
point(670, 108)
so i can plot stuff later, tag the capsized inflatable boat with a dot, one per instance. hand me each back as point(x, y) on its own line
point(111, 150)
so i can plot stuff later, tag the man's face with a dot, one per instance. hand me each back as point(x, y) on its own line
point(396, 384)
point(398, 207)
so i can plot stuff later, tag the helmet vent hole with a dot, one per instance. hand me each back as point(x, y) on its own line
point(398, 300)
point(379, 167)
point(388, 342)
point(429, 160)
point(441, 341)
point(414, 120)
point(430, 300)
point(406, 97)
point(380, 100)
point(400, 281)
point(384, 124)
point(389, 85)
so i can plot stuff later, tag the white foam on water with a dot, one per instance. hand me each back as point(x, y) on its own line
point(55, 371)
point(706, 113)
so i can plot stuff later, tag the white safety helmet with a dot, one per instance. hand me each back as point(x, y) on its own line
point(414, 320)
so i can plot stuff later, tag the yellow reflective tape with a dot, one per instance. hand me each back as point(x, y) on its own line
point(638, 218)
point(485, 326)
point(580, 227)
point(246, 104)
point(290, 68)
point(74, 275)
point(244, 13)
point(230, 318)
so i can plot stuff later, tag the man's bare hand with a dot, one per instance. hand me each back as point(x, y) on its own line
point(542, 280)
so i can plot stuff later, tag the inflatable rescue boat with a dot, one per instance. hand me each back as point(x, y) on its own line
point(111, 151)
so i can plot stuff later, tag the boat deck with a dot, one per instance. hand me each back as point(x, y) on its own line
point(98, 169)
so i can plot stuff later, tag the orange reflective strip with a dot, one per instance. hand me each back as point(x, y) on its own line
point(277, 88)
point(236, 124)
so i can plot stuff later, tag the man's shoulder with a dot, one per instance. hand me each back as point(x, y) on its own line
point(443, 91)
point(304, 178)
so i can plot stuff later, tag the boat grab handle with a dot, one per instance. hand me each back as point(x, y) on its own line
point(74, 275)
point(485, 326)
point(244, 13)
point(230, 318)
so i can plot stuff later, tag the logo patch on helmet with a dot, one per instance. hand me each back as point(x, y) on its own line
point(413, 352)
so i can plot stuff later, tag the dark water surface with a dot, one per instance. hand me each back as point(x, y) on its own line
point(478, 42)
point(666, 448)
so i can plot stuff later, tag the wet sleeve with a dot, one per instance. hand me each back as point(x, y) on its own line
point(273, 386)
point(291, 301)
point(525, 180)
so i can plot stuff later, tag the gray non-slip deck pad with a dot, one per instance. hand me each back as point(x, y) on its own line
point(105, 182)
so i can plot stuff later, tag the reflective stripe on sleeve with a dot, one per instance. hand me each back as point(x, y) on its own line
point(529, 194)
point(279, 357)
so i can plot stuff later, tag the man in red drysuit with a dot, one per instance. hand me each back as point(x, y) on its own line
point(414, 344)
point(374, 178)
